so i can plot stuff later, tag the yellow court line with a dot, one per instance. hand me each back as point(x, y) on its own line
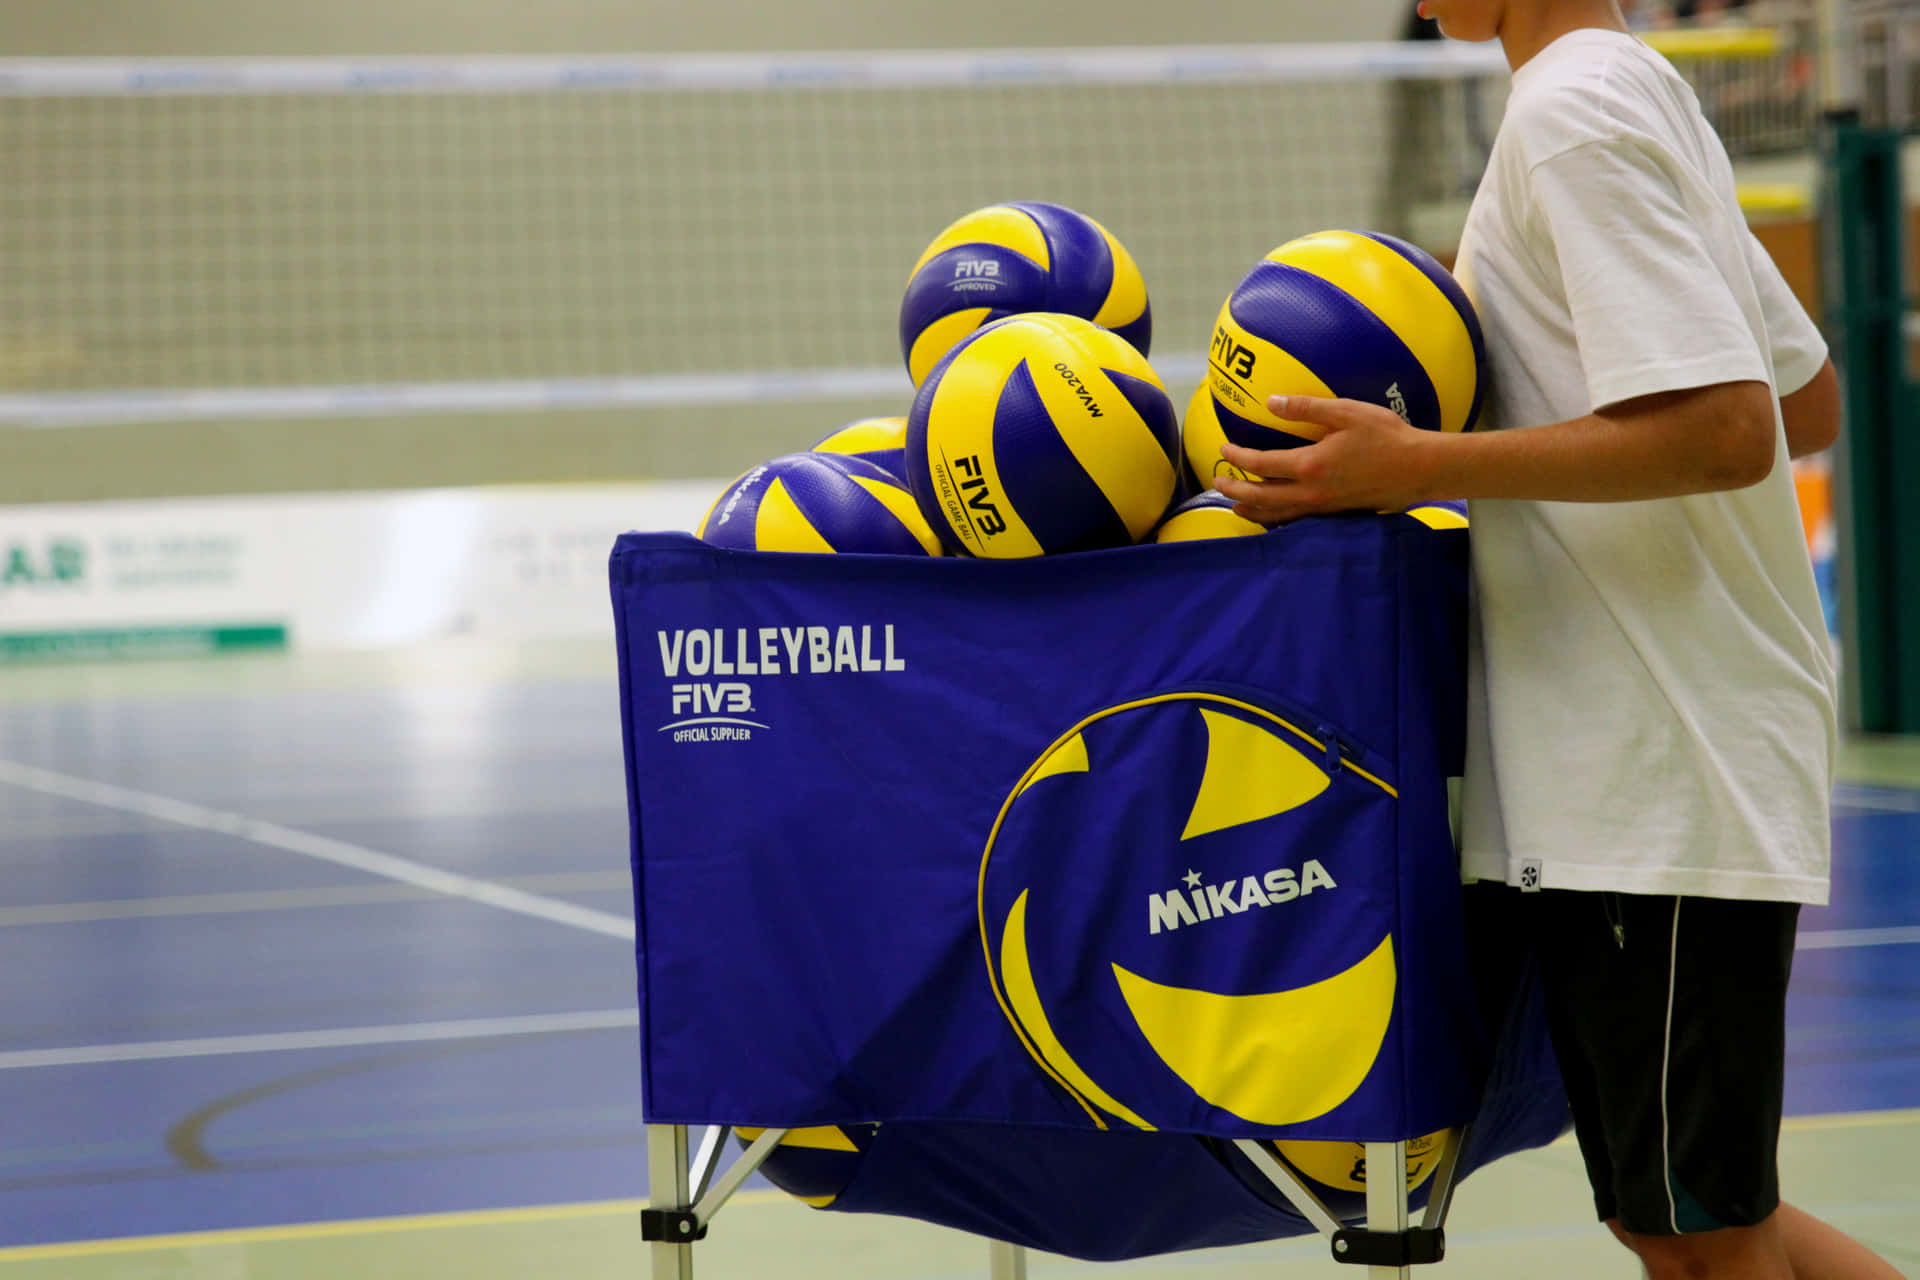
point(351, 1227)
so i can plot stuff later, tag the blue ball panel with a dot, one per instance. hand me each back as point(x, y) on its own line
point(1333, 334)
point(846, 515)
point(1139, 334)
point(1053, 495)
point(936, 290)
point(737, 532)
point(1445, 282)
point(1151, 403)
point(1082, 268)
point(1249, 434)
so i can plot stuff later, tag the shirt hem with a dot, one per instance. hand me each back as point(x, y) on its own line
point(1687, 882)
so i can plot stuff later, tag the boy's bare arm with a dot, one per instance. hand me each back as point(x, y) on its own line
point(1812, 413)
point(1701, 440)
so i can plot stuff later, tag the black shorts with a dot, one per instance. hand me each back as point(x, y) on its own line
point(1668, 1016)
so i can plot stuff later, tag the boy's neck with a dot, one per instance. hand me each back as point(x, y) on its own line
point(1527, 28)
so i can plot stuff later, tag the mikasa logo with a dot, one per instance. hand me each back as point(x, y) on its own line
point(719, 706)
point(1397, 401)
point(1200, 902)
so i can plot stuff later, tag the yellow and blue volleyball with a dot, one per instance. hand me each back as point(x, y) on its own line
point(1206, 515)
point(1444, 513)
point(1201, 436)
point(1042, 434)
point(1352, 314)
point(880, 441)
point(819, 502)
point(1019, 257)
point(1342, 1166)
point(814, 1165)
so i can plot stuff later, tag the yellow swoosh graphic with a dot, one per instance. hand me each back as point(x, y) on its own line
point(1251, 774)
point(1277, 1058)
point(1017, 973)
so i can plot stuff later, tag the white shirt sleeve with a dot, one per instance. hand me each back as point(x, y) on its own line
point(1651, 306)
point(1797, 348)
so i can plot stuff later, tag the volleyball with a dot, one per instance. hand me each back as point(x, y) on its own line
point(1201, 436)
point(1206, 515)
point(1342, 1166)
point(881, 441)
point(1042, 434)
point(1019, 257)
point(814, 1165)
point(1441, 514)
point(1352, 314)
point(819, 502)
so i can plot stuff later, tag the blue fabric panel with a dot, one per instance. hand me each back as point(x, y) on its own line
point(837, 836)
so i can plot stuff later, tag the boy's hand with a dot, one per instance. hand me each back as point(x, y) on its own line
point(1369, 459)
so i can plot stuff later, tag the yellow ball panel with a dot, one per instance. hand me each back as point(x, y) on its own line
point(869, 435)
point(995, 224)
point(1127, 299)
point(905, 509)
point(940, 337)
point(1279, 374)
point(1343, 1165)
point(1438, 517)
point(1206, 522)
point(1201, 438)
point(1099, 427)
point(779, 525)
point(1405, 300)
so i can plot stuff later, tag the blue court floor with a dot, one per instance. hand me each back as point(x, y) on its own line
point(285, 941)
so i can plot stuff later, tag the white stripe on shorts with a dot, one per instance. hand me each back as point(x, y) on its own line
point(1666, 1055)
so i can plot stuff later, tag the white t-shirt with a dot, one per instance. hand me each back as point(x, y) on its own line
point(1651, 685)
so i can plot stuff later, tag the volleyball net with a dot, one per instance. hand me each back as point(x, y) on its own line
point(322, 238)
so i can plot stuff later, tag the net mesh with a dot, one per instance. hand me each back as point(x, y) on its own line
point(189, 239)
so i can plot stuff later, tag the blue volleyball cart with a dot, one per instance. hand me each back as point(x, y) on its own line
point(1050, 899)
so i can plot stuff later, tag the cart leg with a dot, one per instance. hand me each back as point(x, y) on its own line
point(1006, 1261)
point(669, 1186)
point(1387, 1198)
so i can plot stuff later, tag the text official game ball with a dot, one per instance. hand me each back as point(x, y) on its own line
point(1206, 515)
point(1019, 257)
point(1342, 1166)
point(1042, 434)
point(881, 441)
point(1352, 314)
point(1201, 436)
point(819, 502)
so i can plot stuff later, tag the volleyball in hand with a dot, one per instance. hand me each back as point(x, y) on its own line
point(819, 502)
point(1042, 434)
point(1201, 436)
point(880, 441)
point(1353, 314)
point(1020, 257)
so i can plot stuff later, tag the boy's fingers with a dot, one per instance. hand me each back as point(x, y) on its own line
point(1274, 464)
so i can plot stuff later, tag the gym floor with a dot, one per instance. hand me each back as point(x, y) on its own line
point(320, 965)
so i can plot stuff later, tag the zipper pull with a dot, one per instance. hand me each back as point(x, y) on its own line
point(1335, 757)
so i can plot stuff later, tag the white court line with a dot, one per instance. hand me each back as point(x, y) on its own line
point(338, 852)
point(1831, 939)
point(1864, 800)
point(338, 1038)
